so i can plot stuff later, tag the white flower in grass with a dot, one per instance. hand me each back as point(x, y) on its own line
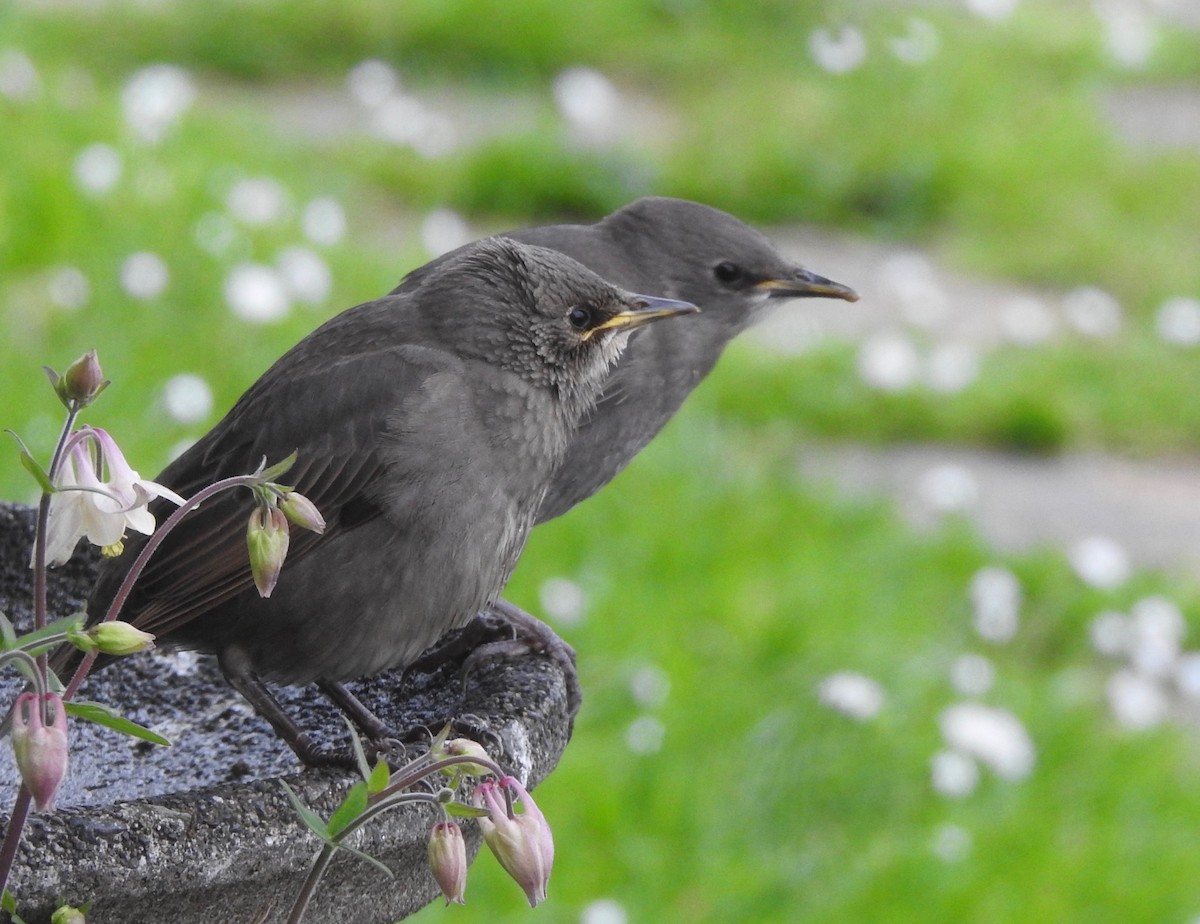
point(84, 506)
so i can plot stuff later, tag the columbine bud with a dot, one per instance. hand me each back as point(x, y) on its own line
point(267, 538)
point(82, 381)
point(120, 638)
point(68, 915)
point(40, 749)
point(522, 843)
point(448, 859)
point(462, 747)
point(303, 512)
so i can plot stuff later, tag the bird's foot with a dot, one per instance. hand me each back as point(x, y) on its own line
point(505, 631)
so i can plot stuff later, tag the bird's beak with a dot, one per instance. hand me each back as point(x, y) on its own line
point(806, 284)
point(646, 308)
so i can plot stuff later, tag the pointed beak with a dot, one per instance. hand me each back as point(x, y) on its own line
point(806, 284)
point(643, 310)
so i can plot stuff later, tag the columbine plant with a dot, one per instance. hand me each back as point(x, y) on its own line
point(521, 841)
point(89, 491)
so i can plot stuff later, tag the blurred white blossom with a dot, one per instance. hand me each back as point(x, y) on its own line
point(645, 735)
point(19, 79)
point(996, 599)
point(972, 674)
point(650, 686)
point(144, 275)
point(187, 398)
point(1093, 312)
point(1100, 561)
point(256, 293)
point(1027, 320)
point(305, 274)
point(324, 221)
point(948, 488)
point(955, 775)
point(589, 102)
point(951, 367)
point(154, 98)
point(1137, 701)
point(888, 362)
point(918, 44)
point(258, 200)
point(852, 694)
point(993, 736)
point(372, 82)
point(69, 288)
point(604, 911)
point(995, 10)
point(563, 600)
point(444, 230)
point(97, 168)
point(838, 51)
point(1178, 321)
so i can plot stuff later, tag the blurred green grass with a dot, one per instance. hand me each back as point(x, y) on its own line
point(746, 586)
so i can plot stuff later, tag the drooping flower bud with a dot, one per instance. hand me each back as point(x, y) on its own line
point(303, 512)
point(267, 539)
point(461, 747)
point(40, 747)
point(68, 915)
point(522, 843)
point(448, 860)
point(120, 638)
point(83, 380)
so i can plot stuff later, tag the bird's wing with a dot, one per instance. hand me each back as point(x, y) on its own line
point(333, 417)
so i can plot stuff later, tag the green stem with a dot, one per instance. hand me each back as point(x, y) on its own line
point(139, 564)
point(321, 863)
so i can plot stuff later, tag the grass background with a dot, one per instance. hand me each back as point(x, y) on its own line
point(709, 563)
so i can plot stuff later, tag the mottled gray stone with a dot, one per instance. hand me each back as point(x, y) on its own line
point(202, 831)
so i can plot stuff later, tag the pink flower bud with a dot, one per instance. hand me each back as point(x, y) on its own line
point(303, 512)
point(448, 859)
point(522, 843)
point(267, 539)
point(40, 748)
point(120, 638)
point(83, 380)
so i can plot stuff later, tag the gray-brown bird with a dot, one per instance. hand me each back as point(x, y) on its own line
point(677, 249)
point(427, 425)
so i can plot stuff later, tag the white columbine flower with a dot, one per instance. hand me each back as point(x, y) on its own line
point(84, 505)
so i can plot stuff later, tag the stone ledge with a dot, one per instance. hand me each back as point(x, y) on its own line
point(202, 831)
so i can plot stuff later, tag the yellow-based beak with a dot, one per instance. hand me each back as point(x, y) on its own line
point(646, 308)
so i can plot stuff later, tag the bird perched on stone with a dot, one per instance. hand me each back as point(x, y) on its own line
point(677, 249)
point(426, 426)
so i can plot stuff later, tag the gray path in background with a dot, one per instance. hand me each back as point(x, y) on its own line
point(1150, 508)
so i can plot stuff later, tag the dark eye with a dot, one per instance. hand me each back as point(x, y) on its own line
point(727, 272)
point(580, 317)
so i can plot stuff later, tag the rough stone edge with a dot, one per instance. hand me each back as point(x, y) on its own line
point(237, 849)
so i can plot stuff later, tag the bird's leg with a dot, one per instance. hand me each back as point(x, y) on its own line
point(506, 631)
point(352, 707)
point(301, 743)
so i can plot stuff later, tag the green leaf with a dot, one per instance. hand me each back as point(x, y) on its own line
point(9, 904)
point(379, 778)
point(110, 718)
point(360, 756)
point(462, 810)
point(352, 806)
point(311, 819)
point(279, 468)
point(35, 469)
point(8, 634)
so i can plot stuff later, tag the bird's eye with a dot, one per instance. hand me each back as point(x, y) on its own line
point(580, 317)
point(727, 272)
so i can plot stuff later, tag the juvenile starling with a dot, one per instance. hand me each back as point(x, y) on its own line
point(677, 249)
point(426, 425)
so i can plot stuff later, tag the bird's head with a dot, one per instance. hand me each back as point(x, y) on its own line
point(708, 257)
point(542, 315)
